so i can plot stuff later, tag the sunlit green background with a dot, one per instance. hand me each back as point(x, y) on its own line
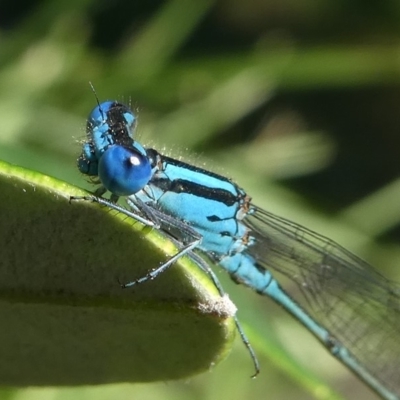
point(298, 101)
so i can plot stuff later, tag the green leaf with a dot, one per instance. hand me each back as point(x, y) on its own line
point(65, 319)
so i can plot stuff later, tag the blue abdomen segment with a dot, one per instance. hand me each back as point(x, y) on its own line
point(244, 269)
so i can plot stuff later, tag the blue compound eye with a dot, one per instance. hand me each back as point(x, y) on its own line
point(112, 110)
point(124, 170)
point(99, 114)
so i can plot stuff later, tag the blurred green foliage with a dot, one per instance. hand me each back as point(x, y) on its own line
point(296, 100)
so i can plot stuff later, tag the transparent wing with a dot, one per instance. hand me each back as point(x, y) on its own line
point(341, 292)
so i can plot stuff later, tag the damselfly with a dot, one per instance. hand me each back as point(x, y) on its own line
point(349, 307)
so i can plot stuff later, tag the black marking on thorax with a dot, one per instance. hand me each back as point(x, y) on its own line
point(195, 189)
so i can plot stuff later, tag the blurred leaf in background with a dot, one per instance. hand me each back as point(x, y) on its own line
point(296, 101)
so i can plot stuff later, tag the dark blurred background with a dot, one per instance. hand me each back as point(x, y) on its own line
point(297, 101)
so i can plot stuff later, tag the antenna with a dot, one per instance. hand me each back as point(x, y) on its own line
point(97, 99)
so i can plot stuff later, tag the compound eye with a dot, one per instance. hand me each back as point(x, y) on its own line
point(98, 116)
point(124, 170)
